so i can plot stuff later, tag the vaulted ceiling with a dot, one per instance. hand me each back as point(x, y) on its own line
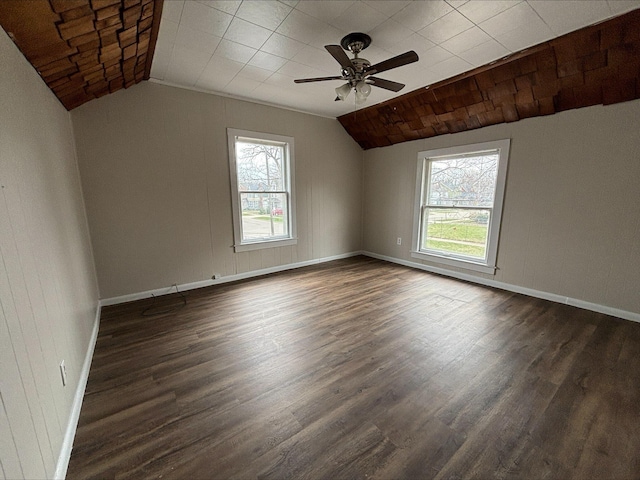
point(481, 61)
point(255, 49)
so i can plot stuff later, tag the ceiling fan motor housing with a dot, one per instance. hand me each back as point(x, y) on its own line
point(355, 42)
point(356, 74)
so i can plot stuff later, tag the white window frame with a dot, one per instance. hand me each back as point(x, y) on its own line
point(423, 174)
point(241, 245)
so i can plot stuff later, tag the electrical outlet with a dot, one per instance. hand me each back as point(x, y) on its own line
point(216, 276)
point(399, 241)
point(63, 373)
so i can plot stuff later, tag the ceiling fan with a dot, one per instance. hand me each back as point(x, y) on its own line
point(358, 72)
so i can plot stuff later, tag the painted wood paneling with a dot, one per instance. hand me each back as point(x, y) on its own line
point(48, 292)
point(9, 464)
point(21, 380)
point(571, 214)
point(155, 174)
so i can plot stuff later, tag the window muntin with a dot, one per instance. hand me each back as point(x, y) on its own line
point(262, 188)
point(459, 203)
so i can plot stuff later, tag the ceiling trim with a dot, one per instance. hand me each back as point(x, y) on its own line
point(599, 64)
point(85, 49)
point(236, 97)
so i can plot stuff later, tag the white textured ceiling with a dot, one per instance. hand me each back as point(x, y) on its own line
point(254, 49)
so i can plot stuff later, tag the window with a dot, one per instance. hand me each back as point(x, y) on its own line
point(459, 195)
point(261, 168)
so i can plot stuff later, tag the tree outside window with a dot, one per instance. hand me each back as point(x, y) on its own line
point(261, 171)
point(457, 212)
point(459, 204)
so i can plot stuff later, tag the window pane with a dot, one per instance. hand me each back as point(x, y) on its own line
point(264, 215)
point(466, 181)
point(260, 167)
point(456, 231)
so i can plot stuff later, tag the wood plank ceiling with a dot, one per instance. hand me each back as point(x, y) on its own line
point(595, 65)
point(84, 49)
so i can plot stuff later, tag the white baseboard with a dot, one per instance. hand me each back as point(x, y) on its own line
point(70, 432)
point(594, 307)
point(229, 278)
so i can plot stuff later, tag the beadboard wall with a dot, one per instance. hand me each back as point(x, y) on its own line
point(48, 289)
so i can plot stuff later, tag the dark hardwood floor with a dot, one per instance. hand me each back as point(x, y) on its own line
point(360, 369)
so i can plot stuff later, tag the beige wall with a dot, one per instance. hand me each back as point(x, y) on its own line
point(571, 217)
point(48, 291)
point(154, 167)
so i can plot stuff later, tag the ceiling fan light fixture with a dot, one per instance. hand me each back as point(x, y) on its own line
point(363, 88)
point(343, 91)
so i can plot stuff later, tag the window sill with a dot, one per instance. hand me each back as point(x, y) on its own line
point(246, 247)
point(455, 262)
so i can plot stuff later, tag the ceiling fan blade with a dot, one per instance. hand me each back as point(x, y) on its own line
point(395, 62)
point(339, 54)
point(386, 84)
point(318, 79)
